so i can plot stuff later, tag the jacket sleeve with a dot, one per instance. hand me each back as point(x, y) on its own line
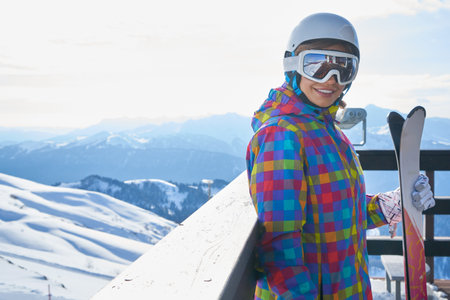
point(375, 216)
point(278, 189)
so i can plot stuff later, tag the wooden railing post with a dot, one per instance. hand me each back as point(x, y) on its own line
point(429, 231)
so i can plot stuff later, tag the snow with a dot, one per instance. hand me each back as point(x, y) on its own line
point(171, 190)
point(160, 182)
point(73, 240)
point(373, 232)
point(70, 184)
point(446, 144)
point(379, 291)
point(105, 187)
point(25, 279)
point(125, 140)
point(384, 130)
point(214, 190)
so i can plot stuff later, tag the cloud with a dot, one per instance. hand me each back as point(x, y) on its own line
point(14, 67)
point(384, 8)
point(103, 58)
point(422, 101)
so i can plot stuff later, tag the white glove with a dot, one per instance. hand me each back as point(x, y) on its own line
point(391, 208)
point(422, 196)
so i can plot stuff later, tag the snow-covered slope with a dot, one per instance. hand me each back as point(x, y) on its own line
point(170, 200)
point(73, 240)
point(174, 196)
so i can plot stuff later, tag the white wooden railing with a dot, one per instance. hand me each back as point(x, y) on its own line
point(208, 256)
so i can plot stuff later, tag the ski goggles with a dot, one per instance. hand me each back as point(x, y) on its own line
point(320, 65)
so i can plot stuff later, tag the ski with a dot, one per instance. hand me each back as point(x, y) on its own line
point(406, 136)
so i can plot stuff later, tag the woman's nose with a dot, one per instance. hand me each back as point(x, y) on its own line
point(333, 79)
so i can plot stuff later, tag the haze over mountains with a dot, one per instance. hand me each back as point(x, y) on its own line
point(189, 151)
point(185, 152)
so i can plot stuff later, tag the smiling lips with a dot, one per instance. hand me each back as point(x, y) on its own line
point(326, 92)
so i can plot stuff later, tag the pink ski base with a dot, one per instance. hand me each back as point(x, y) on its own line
point(416, 259)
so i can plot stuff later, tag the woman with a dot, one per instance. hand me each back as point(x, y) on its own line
point(305, 178)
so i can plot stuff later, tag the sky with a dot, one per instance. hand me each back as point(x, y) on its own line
point(67, 63)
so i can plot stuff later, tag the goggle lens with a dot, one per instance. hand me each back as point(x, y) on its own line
point(321, 66)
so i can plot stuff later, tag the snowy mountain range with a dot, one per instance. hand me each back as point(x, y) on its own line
point(435, 134)
point(173, 201)
point(71, 241)
point(189, 151)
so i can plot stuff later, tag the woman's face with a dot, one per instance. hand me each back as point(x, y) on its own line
point(326, 93)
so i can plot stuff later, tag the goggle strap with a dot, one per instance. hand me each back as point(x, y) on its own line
point(291, 63)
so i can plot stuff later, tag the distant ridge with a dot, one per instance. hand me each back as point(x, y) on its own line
point(185, 152)
point(173, 201)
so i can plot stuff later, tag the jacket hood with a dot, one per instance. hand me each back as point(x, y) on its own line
point(283, 101)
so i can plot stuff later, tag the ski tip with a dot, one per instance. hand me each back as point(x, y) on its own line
point(417, 108)
point(395, 122)
point(394, 117)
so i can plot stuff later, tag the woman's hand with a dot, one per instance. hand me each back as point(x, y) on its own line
point(422, 196)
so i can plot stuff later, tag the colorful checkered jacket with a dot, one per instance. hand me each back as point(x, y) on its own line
point(308, 190)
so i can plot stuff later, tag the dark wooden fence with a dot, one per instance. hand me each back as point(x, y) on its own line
point(430, 161)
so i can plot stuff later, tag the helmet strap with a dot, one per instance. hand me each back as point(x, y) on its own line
point(293, 79)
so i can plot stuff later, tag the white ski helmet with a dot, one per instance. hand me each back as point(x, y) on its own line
point(323, 26)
